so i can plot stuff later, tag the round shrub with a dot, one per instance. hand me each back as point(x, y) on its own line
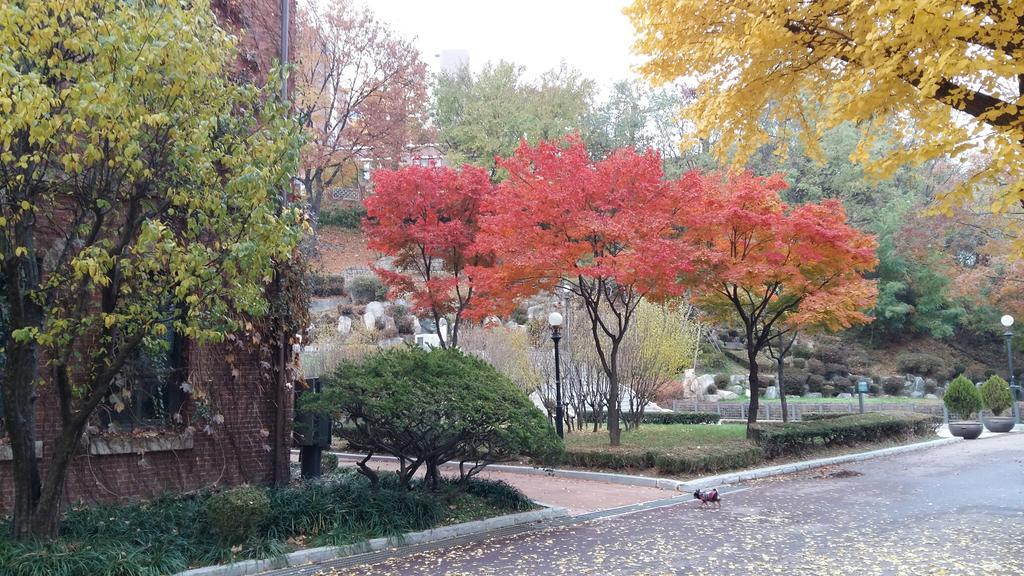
point(430, 407)
point(828, 391)
point(892, 385)
point(996, 395)
point(793, 382)
point(328, 463)
point(237, 513)
point(405, 325)
point(874, 389)
point(815, 382)
point(832, 354)
point(815, 366)
point(799, 363)
point(833, 369)
point(366, 289)
point(802, 351)
point(721, 380)
point(962, 398)
point(930, 386)
point(711, 389)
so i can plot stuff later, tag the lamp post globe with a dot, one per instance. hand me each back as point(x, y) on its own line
point(555, 320)
point(1006, 320)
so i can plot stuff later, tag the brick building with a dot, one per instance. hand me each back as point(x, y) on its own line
point(352, 193)
point(201, 415)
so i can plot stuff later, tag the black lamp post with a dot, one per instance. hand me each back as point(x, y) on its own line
point(1007, 322)
point(555, 320)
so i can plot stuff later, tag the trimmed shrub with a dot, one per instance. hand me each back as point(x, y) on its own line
point(351, 218)
point(930, 386)
point(892, 385)
point(962, 398)
point(777, 439)
point(799, 363)
point(815, 366)
point(326, 285)
point(923, 364)
point(417, 405)
point(815, 382)
point(328, 463)
point(767, 366)
point(996, 395)
point(660, 417)
point(832, 354)
point(802, 351)
point(811, 416)
point(833, 369)
point(236, 514)
point(722, 458)
point(874, 389)
point(711, 389)
point(366, 289)
point(828, 391)
point(793, 381)
point(842, 384)
point(721, 380)
point(405, 325)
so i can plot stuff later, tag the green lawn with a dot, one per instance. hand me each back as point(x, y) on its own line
point(663, 436)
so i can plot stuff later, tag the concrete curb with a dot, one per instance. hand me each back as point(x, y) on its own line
point(315, 555)
point(744, 475)
point(696, 483)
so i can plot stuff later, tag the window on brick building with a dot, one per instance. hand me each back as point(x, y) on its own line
point(152, 377)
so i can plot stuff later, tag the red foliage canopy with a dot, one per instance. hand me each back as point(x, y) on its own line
point(427, 219)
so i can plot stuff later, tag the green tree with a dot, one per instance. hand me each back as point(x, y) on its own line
point(139, 189)
point(481, 116)
point(430, 407)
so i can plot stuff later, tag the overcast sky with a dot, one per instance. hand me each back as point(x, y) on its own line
point(593, 36)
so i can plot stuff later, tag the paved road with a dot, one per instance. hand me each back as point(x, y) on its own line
point(951, 510)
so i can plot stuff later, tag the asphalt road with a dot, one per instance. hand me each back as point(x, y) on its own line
point(952, 510)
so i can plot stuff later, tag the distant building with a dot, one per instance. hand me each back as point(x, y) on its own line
point(355, 191)
point(453, 60)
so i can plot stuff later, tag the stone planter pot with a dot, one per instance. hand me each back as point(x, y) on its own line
point(999, 423)
point(965, 430)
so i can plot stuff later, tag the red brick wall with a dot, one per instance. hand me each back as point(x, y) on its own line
point(231, 453)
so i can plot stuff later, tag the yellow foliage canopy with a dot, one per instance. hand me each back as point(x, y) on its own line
point(947, 76)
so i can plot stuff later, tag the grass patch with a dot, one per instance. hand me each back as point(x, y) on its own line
point(172, 534)
point(867, 400)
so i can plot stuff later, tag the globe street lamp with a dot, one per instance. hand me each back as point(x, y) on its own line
point(1007, 322)
point(555, 320)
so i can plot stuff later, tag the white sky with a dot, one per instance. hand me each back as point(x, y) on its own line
point(593, 36)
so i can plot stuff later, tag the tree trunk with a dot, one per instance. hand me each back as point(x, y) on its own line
point(782, 391)
point(614, 409)
point(754, 385)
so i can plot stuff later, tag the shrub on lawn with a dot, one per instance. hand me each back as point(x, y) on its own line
point(811, 416)
point(793, 381)
point(815, 382)
point(681, 418)
point(237, 513)
point(832, 353)
point(962, 398)
point(815, 366)
point(721, 381)
point(996, 396)
point(430, 407)
point(803, 351)
point(828, 391)
point(797, 437)
point(892, 385)
point(799, 363)
point(714, 459)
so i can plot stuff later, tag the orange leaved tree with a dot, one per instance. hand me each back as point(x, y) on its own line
point(777, 268)
point(608, 230)
point(427, 219)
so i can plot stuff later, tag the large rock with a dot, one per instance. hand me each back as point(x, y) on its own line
point(812, 395)
point(727, 395)
point(844, 395)
point(739, 380)
point(771, 393)
point(344, 324)
point(738, 390)
point(703, 381)
point(374, 310)
point(917, 394)
point(931, 396)
point(390, 325)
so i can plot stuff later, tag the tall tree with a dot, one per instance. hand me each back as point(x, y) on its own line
point(138, 189)
point(428, 218)
point(774, 266)
point(361, 93)
point(483, 116)
point(948, 77)
point(606, 229)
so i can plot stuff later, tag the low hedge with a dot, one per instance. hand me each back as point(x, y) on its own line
point(661, 417)
point(705, 461)
point(810, 416)
point(797, 437)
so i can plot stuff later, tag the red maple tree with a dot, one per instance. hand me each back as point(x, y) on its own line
point(606, 230)
point(777, 268)
point(427, 219)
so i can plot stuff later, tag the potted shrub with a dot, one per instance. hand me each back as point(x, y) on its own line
point(963, 400)
point(996, 397)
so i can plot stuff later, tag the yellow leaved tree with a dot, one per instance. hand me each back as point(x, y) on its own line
point(139, 193)
point(947, 75)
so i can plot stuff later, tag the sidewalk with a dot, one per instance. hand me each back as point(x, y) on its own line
point(577, 496)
